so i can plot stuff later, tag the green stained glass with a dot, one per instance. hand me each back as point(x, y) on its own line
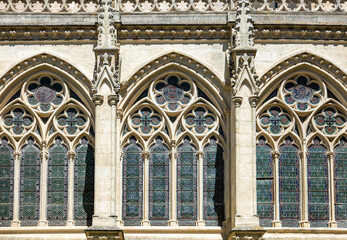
point(84, 184)
point(159, 184)
point(318, 200)
point(213, 184)
point(29, 184)
point(186, 184)
point(265, 184)
point(57, 189)
point(6, 183)
point(132, 184)
point(289, 185)
point(340, 179)
point(72, 121)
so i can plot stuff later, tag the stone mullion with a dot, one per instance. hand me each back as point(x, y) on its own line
point(173, 185)
point(332, 223)
point(145, 158)
point(200, 191)
point(275, 160)
point(119, 173)
point(16, 189)
point(70, 202)
point(304, 223)
point(43, 186)
point(227, 171)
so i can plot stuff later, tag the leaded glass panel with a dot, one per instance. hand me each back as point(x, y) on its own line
point(265, 184)
point(6, 183)
point(186, 184)
point(340, 177)
point(159, 184)
point(213, 184)
point(57, 188)
point(289, 185)
point(29, 185)
point(132, 184)
point(318, 196)
point(84, 184)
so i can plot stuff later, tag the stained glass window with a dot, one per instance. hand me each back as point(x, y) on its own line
point(340, 175)
point(132, 184)
point(265, 183)
point(318, 196)
point(186, 184)
point(213, 184)
point(159, 184)
point(57, 187)
point(84, 184)
point(29, 185)
point(289, 185)
point(6, 183)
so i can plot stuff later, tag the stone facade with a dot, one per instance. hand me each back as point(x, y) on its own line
point(168, 79)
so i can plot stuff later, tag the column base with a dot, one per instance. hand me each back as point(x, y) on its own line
point(173, 223)
point(200, 223)
point(276, 223)
point(249, 232)
point(105, 233)
point(304, 224)
point(15, 223)
point(145, 223)
point(70, 223)
point(332, 224)
point(42, 223)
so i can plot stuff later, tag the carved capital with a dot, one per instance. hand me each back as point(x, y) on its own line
point(331, 155)
point(113, 99)
point(71, 155)
point(173, 143)
point(200, 154)
point(145, 155)
point(98, 99)
point(17, 155)
point(253, 100)
point(237, 101)
point(275, 155)
point(119, 113)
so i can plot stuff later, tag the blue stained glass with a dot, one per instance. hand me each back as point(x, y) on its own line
point(318, 196)
point(57, 191)
point(186, 184)
point(213, 184)
point(265, 198)
point(84, 184)
point(289, 185)
point(340, 179)
point(132, 184)
point(159, 184)
point(29, 185)
point(6, 183)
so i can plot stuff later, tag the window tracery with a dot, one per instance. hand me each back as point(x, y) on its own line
point(173, 125)
point(45, 122)
point(301, 120)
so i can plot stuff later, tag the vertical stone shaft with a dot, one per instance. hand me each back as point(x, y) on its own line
point(16, 188)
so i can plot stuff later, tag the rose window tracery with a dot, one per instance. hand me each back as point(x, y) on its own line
point(72, 120)
point(173, 92)
point(18, 121)
point(302, 93)
point(45, 93)
point(275, 120)
point(146, 120)
point(200, 120)
point(330, 121)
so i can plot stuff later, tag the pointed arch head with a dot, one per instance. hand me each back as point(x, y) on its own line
point(335, 77)
point(205, 78)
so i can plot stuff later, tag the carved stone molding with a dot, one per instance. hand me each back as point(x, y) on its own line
point(104, 233)
point(98, 99)
point(237, 101)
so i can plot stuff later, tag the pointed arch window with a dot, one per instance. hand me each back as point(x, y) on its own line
point(289, 184)
point(159, 183)
point(57, 189)
point(6, 182)
point(132, 183)
point(265, 183)
point(30, 184)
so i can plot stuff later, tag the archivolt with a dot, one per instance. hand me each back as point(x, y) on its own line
point(309, 59)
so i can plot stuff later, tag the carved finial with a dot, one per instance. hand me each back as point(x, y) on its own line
point(244, 26)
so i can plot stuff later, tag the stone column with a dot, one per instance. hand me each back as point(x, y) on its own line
point(145, 158)
point(173, 185)
point(119, 170)
point(332, 223)
point(16, 188)
point(43, 187)
point(275, 159)
point(200, 184)
point(71, 175)
point(304, 223)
